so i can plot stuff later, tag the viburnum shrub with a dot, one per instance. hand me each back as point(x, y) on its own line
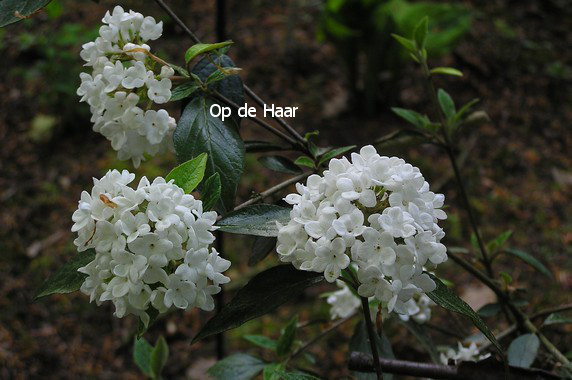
point(366, 222)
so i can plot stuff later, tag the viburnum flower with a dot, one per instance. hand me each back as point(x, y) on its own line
point(379, 212)
point(343, 302)
point(463, 354)
point(152, 246)
point(126, 80)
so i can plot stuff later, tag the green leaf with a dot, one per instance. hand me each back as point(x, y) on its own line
point(183, 91)
point(198, 49)
point(67, 279)
point(261, 247)
point(304, 161)
point(445, 298)
point(261, 341)
point(180, 70)
point(272, 371)
point(237, 367)
point(210, 192)
point(253, 146)
point(446, 103)
point(257, 220)
point(230, 86)
point(405, 42)
point(530, 260)
point(142, 356)
point(12, 11)
point(420, 32)
point(189, 174)
point(446, 71)
point(419, 331)
point(523, 350)
point(159, 357)
point(334, 153)
point(489, 310)
point(498, 242)
point(360, 343)
point(295, 376)
point(263, 293)
point(215, 77)
point(287, 338)
point(554, 319)
point(199, 132)
point(414, 118)
point(279, 164)
point(464, 109)
point(141, 327)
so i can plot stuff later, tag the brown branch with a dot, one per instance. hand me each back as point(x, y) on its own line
point(484, 370)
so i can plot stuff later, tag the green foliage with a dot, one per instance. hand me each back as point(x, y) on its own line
point(183, 91)
point(263, 293)
point(257, 220)
point(304, 161)
point(360, 343)
point(151, 360)
point(237, 367)
point(489, 310)
point(261, 247)
point(530, 260)
point(211, 191)
point(67, 279)
point(446, 71)
point(198, 49)
point(326, 157)
point(445, 298)
point(261, 341)
point(446, 103)
point(556, 319)
point(12, 11)
point(199, 132)
point(284, 345)
point(189, 174)
point(495, 244)
point(279, 164)
point(523, 350)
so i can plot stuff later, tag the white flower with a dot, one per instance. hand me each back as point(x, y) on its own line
point(150, 29)
point(343, 302)
point(149, 254)
point(380, 211)
point(463, 354)
point(159, 91)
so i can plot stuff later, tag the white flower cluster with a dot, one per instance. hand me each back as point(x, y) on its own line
point(379, 211)
point(418, 309)
point(125, 76)
point(463, 354)
point(151, 244)
point(343, 302)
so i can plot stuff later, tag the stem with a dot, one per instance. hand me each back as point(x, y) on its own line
point(247, 90)
point(220, 343)
point(273, 189)
point(372, 337)
point(556, 309)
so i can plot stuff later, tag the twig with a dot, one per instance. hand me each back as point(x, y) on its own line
point(555, 309)
point(484, 370)
point(247, 90)
point(372, 337)
point(272, 190)
point(321, 335)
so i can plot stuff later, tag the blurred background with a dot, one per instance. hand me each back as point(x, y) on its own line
point(335, 60)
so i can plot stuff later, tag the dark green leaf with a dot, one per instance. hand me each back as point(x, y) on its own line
point(414, 118)
point(360, 343)
point(445, 298)
point(446, 103)
point(405, 42)
point(523, 350)
point(261, 247)
point(279, 164)
point(489, 310)
point(237, 367)
point(446, 71)
point(418, 330)
point(199, 132)
point(498, 242)
point(420, 32)
point(257, 220)
point(263, 293)
point(189, 174)
point(153, 315)
point(67, 279)
point(530, 260)
point(272, 371)
point(304, 161)
point(287, 338)
point(295, 376)
point(199, 49)
point(334, 153)
point(210, 192)
point(12, 11)
point(142, 356)
point(183, 91)
point(554, 319)
point(230, 86)
point(159, 357)
point(261, 341)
